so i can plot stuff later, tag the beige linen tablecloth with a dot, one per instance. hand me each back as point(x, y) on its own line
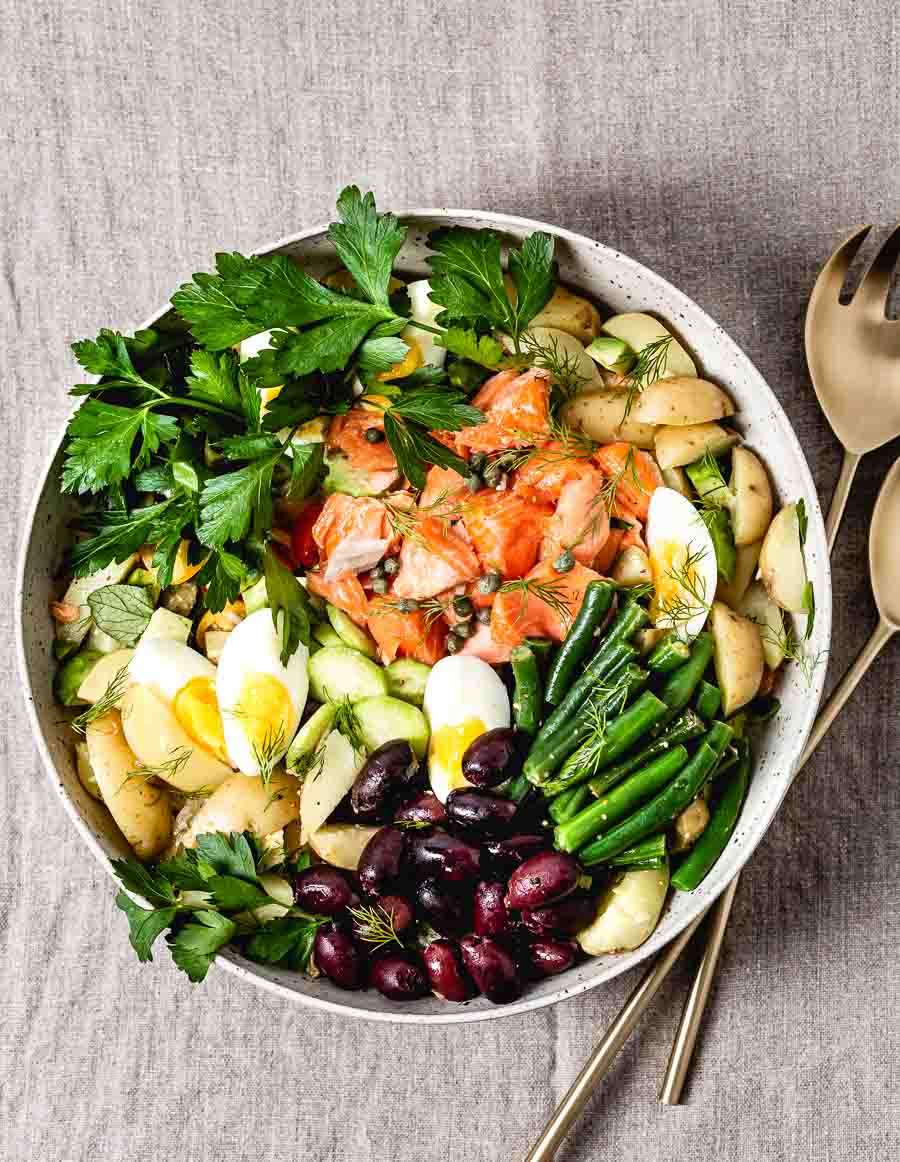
point(728, 145)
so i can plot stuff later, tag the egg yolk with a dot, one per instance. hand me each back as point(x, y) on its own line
point(667, 559)
point(449, 744)
point(197, 709)
point(265, 711)
point(410, 362)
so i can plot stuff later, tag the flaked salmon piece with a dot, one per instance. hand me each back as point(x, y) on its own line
point(544, 607)
point(581, 522)
point(433, 559)
point(406, 635)
point(549, 469)
point(353, 533)
point(348, 433)
point(637, 475)
point(346, 593)
point(506, 530)
point(444, 489)
point(515, 408)
point(482, 645)
point(603, 562)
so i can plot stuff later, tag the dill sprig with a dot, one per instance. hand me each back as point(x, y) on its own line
point(347, 722)
point(575, 446)
point(793, 649)
point(628, 473)
point(412, 824)
point(710, 499)
point(547, 591)
point(268, 750)
point(605, 701)
point(309, 765)
point(690, 597)
point(561, 365)
point(167, 771)
point(649, 366)
point(375, 925)
point(107, 701)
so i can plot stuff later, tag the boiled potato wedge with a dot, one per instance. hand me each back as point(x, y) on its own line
point(632, 567)
point(781, 563)
point(156, 737)
point(568, 347)
point(627, 912)
point(676, 446)
point(746, 558)
point(247, 803)
point(570, 313)
point(324, 788)
point(639, 330)
point(759, 607)
point(102, 676)
point(737, 655)
point(341, 844)
point(142, 812)
point(681, 402)
point(677, 478)
point(601, 415)
point(751, 504)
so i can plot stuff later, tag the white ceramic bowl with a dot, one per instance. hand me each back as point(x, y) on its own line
point(616, 283)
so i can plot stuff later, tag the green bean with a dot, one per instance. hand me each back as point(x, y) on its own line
point(663, 808)
point(526, 703)
point(517, 788)
point(707, 700)
point(621, 733)
point(676, 691)
point(541, 647)
point(669, 654)
point(686, 726)
point(606, 661)
point(597, 599)
point(648, 853)
point(698, 862)
point(603, 814)
point(567, 804)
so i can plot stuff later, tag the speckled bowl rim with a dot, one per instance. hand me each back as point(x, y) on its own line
point(734, 858)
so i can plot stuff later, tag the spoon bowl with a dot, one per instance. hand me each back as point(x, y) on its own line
point(884, 549)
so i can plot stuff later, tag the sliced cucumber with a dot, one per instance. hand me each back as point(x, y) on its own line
point(71, 674)
point(326, 635)
point(384, 719)
point(256, 597)
point(339, 672)
point(104, 643)
point(406, 680)
point(311, 734)
point(350, 633)
point(164, 623)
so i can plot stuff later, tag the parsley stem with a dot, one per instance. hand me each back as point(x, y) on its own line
point(425, 327)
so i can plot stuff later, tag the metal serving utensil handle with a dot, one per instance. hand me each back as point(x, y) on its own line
point(695, 1005)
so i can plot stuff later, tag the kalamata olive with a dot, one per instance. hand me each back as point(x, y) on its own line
point(549, 957)
point(324, 890)
point(381, 861)
point(338, 956)
point(543, 879)
point(446, 912)
point(480, 811)
point(444, 856)
point(502, 855)
point(489, 914)
point(492, 968)
point(399, 909)
point(383, 775)
point(564, 918)
point(398, 977)
point(425, 807)
point(446, 974)
point(488, 759)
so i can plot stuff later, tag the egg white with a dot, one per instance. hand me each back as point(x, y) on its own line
point(675, 531)
point(253, 647)
point(423, 310)
point(167, 666)
point(464, 697)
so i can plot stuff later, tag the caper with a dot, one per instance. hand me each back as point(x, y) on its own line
point(390, 565)
point(478, 461)
point(489, 582)
point(463, 607)
point(453, 644)
point(463, 629)
point(407, 605)
point(377, 571)
point(379, 585)
point(483, 616)
point(565, 562)
point(474, 482)
point(375, 435)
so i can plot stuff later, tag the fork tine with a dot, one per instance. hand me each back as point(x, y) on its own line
point(875, 286)
point(834, 272)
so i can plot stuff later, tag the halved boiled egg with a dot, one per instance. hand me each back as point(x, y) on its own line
point(464, 697)
point(682, 562)
point(260, 699)
point(423, 310)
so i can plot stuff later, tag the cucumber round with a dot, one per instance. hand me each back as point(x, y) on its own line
point(406, 680)
point(325, 635)
point(350, 633)
point(384, 719)
point(339, 672)
point(311, 734)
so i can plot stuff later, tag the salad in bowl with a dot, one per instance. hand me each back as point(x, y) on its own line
point(415, 628)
